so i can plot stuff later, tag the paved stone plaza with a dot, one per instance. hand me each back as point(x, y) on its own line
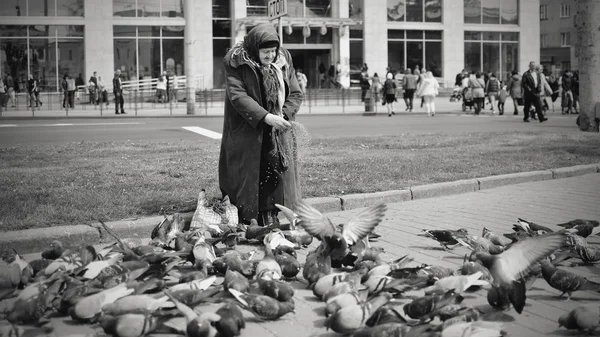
point(546, 202)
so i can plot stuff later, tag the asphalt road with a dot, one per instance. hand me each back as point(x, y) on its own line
point(56, 131)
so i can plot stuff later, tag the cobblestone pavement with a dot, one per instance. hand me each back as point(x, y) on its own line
point(546, 202)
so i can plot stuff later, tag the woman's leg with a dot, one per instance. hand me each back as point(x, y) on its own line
point(427, 103)
point(492, 102)
point(432, 104)
point(516, 105)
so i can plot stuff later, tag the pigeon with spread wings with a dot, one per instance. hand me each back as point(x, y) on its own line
point(510, 266)
point(338, 241)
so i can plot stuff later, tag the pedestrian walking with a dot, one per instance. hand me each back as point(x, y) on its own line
point(409, 85)
point(428, 90)
point(389, 90)
point(302, 80)
point(515, 91)
point(257, 130)
point(492, 87)
point(33, 89)
point(118, 92)
point(2, 94)
point(9, 82)
point(502, 95)
point(477, 86)
point(161, 90)
point(365, 86)
point(532, 87)
point(102, 93)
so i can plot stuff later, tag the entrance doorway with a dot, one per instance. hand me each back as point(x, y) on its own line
point(309, 60)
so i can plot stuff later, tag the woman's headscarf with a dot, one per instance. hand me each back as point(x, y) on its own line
point(262, 36)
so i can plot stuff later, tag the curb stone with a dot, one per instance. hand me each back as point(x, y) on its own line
point(513, 178)
point(352, 201)
point(443, 189)
point(565, 172)
point(33, 240)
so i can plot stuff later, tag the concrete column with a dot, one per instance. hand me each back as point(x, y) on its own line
point(341, 38)
point(375, 36)
point(238, 11)
point(98, 40)
point(198, 50)
point(529, 35)
point(453, 46)
point(588, 46)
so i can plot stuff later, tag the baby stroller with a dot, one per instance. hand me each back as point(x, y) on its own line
point(467, 99)
point(456, 94)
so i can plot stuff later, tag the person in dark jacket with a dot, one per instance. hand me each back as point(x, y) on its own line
point(532, 85)
point(492, 88)
point(118, 92)
point(257, 162)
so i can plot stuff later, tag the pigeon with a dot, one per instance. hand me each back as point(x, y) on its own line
point(130, 325)
point(584, 227)
point(532, 228)
point(495, 238)
point(235, 280)
point(263, 307)
point(471, 267)
point(383, 330)
point(354, 317)
point(197, 324)
point(425, 308)
point(509, 267)
point(583, 319)
point(444, 236)
point(56, 250)
point(290, 267)
point(385, 315)
point(338, 302)
point(386, 268)
point(231, 322)
point(478, 328)
point(359, 226)
point(328, 281)
point(581, 249)
point(566, 281)
point(317, 265)
point(458, 284)
point(340, 288)
point(480, 244)
point(279, 290)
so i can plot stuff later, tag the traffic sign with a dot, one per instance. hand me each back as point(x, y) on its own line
point(277, 9)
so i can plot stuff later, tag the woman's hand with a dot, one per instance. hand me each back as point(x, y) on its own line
point(277, 122)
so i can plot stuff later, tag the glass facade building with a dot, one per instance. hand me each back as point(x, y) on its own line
point(143, 38)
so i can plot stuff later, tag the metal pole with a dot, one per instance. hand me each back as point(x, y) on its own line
point(280, 30)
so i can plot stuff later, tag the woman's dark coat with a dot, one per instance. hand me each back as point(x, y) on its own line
point(241, 144)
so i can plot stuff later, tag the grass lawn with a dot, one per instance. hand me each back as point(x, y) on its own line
point(78, 183)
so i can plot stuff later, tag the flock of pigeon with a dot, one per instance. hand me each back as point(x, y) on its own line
point(131, 289)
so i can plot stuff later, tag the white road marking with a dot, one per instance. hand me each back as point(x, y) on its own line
point(203, 132)
point(66, 124)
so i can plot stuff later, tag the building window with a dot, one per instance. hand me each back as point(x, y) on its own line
point(565, 39)
point(46, 52)
point(414, 10)
point(544, 12)
point(415, 49)
point(143, 52)
point(565, 10)
point(491, 11)
point(42, 8)
point(147, 8)
point(492, 52)
point(544, 40)
point(296, 8)
point(356, 55)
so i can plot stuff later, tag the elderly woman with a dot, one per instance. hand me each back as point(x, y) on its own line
point(257, 164)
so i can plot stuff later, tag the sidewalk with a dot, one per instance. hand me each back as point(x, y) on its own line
point(545, 202)
point(321, 107)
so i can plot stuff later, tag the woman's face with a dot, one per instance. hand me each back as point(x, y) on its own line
point(267, 55)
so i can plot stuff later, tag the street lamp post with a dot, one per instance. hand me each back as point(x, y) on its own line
point(588, 52)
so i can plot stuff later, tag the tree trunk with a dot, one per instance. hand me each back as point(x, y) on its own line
point(587, 49)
